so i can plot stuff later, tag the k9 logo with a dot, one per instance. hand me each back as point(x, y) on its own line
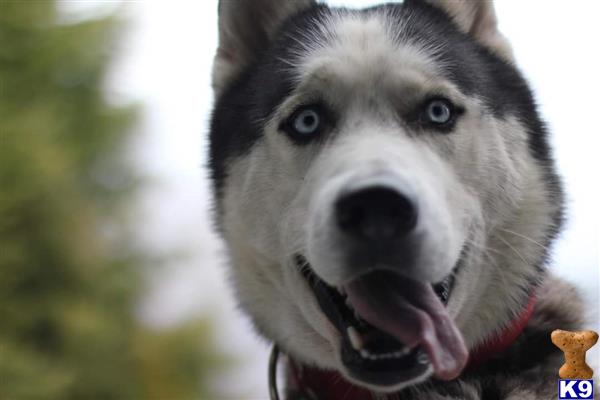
point(574, 389)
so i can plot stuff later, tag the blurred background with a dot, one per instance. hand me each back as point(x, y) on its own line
point(112, 281)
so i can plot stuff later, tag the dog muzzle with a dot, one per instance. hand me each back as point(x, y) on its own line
point(309, 383)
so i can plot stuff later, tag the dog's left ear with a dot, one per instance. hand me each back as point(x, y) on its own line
point(478, 19)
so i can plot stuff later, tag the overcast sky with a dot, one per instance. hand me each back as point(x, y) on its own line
point(165, 64)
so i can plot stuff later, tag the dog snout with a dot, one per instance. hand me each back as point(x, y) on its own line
point(381, 220)
point(377, 215)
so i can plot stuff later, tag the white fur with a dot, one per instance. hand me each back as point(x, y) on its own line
point(478, 186)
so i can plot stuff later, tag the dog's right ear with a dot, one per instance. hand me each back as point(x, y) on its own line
point(245, 28)
point(478, 19)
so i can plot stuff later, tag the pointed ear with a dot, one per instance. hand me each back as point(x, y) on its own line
point(478, 19)
point(245, 28)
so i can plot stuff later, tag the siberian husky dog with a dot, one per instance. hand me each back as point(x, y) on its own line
point(388, 197)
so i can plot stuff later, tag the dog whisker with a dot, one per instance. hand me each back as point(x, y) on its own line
point(524, 237)
point(510, 246)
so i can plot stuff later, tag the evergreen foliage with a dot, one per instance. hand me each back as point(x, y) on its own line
point(70, 273)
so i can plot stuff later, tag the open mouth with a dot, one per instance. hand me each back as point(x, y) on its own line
point(394, 330)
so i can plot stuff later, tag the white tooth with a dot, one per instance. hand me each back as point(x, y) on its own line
point(403, 352)
point(365, 354)
point(348, 304)
point(422, 358)
point(355, 338)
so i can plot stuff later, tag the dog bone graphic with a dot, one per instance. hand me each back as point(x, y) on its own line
point(574, 345)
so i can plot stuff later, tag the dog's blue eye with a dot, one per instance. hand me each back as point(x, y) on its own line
point(438, 111)
point(306, 122)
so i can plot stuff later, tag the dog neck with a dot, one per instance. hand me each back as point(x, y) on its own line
point(312, 383)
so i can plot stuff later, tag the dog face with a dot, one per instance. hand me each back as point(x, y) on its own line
point(383, 182)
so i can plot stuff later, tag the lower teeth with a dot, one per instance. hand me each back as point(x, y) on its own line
point(386, 356)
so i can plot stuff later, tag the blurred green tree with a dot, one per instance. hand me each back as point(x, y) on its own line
point(70, 271)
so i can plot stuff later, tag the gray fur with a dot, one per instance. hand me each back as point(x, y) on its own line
point(487, 188)
point(245, 29)
point(478, 19)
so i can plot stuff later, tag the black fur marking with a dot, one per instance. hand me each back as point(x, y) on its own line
point(242, 110)
point(478, 71)
point(249, 100)
point(240, 113)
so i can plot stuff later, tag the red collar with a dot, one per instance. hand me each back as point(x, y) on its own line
point(321, 384)
point(498, 343)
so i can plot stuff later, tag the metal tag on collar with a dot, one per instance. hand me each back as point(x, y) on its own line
point(298, 394)
point(273, 391)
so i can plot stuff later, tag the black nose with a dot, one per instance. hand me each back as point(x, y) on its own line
point(375, 214)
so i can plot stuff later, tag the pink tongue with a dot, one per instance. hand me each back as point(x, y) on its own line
point(412, 313)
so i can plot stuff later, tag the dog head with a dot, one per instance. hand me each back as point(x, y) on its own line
point(383, 182)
